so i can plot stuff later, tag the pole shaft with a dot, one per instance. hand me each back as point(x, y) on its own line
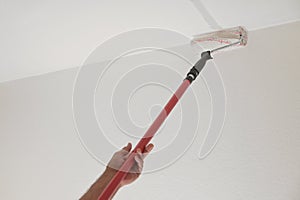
point(125, 168)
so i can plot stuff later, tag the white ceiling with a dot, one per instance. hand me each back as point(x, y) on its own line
point(254, 14)
point(44, 36)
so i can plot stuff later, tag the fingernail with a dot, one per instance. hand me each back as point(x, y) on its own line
point(139, 150)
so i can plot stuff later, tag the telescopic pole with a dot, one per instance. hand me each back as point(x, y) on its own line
point(113, 185)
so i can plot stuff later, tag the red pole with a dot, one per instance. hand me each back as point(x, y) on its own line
point(125, 168)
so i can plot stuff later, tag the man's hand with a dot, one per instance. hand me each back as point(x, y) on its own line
point(119, 158)
point(114, 164)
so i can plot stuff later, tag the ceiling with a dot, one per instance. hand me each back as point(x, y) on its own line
point(41, 37)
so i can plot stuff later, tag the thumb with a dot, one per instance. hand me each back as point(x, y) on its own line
point(128, 147)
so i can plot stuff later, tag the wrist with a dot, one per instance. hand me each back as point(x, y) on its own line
point(109, 173)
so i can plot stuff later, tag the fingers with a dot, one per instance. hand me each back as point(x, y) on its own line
point(128, 147)
point(148, 149)
point(139, 159)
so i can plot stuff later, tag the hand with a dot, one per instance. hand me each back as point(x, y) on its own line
point(119, 158)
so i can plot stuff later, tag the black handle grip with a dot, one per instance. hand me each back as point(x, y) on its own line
point(194, 72)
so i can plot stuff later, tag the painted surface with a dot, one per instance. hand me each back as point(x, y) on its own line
point(257, 156)
point(254, 14)
point(42, 37)
point(48, 36)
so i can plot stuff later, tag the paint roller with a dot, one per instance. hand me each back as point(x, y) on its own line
point(215, 41)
